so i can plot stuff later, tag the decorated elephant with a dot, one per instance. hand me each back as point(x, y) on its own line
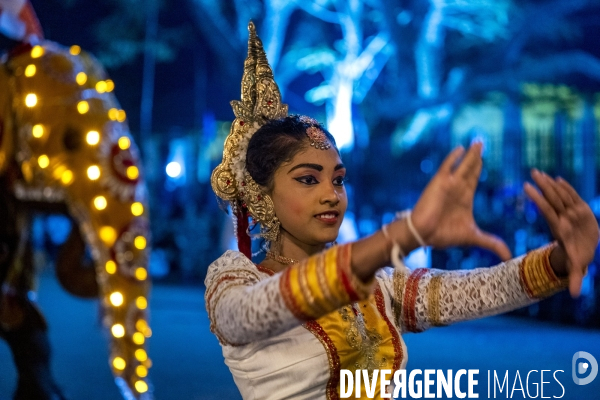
point(65, 147)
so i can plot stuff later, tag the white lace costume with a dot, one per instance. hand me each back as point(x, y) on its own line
point(287, 335)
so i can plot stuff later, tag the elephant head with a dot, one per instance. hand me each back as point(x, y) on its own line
point(64, 139)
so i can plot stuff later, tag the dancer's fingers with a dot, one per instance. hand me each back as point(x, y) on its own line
point(575, 281)
point(566, 186)
point(548, 190)
point(540, 201)
point(451, 159)
point(471, 163)
point(561, 192)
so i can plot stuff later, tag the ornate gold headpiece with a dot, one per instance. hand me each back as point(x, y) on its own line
point(260, 101)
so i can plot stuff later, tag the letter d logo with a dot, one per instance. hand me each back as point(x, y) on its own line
point(583, 367)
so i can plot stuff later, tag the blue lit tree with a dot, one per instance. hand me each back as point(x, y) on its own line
point(349, 65)
point(419, 59)
point(463, 49)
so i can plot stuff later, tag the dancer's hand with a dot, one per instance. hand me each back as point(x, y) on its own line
point(443, 216)
point(572, 224)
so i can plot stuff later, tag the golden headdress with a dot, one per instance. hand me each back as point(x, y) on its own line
point(260, 102)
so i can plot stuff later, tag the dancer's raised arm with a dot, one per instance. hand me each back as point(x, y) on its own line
point(443, 216)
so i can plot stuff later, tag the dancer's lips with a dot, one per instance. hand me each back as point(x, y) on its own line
point(328, 217)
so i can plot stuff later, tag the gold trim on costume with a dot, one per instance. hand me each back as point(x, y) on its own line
point(321, 284)
point(359, 336)
point(398, 352)
point(363, 340)
point(359, 288)
point(307, 292)
point(322, 279)
point(333, 270)
point(312, 278)
point(410, 299)
point(212, 309)
point(399, 279)
point(434, 300)
point(211, 303)
point(289, 298)
point(332, 356)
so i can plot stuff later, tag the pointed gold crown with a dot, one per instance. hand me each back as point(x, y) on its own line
point(260, 102)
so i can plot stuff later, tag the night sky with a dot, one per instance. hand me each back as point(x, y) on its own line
point(175, 104)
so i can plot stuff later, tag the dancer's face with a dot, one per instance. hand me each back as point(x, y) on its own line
point(310, 197)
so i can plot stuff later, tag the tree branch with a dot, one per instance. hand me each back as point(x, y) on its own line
point(545, 69)
point(217, 32)
point(318, 11)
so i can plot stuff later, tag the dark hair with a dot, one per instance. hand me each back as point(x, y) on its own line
point(277, 142)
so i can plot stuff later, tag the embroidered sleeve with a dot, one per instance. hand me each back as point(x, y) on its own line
point(245, 304)
point(423, 298)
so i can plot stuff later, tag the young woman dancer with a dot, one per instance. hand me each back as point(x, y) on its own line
point(289, 325)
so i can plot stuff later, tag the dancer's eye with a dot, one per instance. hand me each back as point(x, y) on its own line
point(307, 180)
point(339, 181)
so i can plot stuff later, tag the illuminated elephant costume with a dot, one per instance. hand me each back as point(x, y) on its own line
point(65, 146)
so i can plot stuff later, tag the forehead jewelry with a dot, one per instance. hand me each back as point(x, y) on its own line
point(317, 138)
